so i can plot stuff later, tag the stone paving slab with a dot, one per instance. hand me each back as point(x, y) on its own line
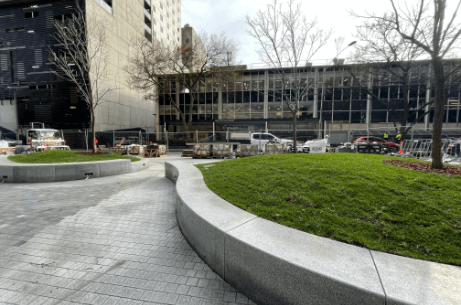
point(112, 240)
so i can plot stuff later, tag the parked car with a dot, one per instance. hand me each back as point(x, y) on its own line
point(391, 146)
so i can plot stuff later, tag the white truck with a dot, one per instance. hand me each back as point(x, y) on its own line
point(40, 139)
point(259, 138)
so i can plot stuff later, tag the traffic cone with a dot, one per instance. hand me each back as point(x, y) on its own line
point(401, 150)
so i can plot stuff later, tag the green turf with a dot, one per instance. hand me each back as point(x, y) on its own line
point(64, 156)
point(354, 198)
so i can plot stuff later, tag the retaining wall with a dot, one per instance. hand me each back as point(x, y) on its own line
point(274, 264)
point(32, 173)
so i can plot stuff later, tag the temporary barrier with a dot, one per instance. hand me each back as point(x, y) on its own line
point(202, 151)
point(222, 150)
point(247, 150)
point(275, 149)
point(370, 148)
point(317, 146)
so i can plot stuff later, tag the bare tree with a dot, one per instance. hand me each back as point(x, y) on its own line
point(426, 26)
point(82, 58)
point(178, 69)
point(288, 40)
point(390, 61)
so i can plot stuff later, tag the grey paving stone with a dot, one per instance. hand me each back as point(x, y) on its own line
point(114, 239)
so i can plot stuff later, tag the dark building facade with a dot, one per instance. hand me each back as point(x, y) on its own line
point(335, 101)
point(27, 83)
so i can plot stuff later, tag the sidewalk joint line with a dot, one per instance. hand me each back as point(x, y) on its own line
point(380, 281)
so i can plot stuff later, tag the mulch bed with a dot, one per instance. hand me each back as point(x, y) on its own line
point(449, 170)
point(91, 153)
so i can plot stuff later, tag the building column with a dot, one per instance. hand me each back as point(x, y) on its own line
point(266, 94)
point(220, 101)
point(428, 98)
point(316, 94)
point(370, 87)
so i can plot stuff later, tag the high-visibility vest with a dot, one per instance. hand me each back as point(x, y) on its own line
point(398, 136)
point(386, 135)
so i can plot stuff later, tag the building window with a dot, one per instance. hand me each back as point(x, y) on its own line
point(155, 34)
point(63, 17)
point(161, 6)
point(167, 15)
point(33, 14)
point(161, 29)
point(168, 26)
point(153, 8)
point(161, 17)
point(155, 21)
point(11, 30)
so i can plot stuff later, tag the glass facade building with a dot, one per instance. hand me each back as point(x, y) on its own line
point(334, 94)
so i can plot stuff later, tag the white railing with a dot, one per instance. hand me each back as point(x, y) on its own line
point(148, 42)
point(148, 2)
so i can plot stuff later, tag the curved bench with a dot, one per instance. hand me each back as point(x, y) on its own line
point(274, 264)
point(55, 172)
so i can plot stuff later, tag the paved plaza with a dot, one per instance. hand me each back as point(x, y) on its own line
point(111, 240)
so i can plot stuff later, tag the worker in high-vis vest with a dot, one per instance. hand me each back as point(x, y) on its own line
point(386, 136)
point(398, 137)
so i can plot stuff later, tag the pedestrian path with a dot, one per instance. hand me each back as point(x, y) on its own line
point(111, 240)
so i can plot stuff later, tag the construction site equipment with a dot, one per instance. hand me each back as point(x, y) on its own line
point(152, 151)
point(222, 150)
point(187, 153)
point(247, 150)
point(162, 149)
point(202, 151)
point(370, 148)
point(275, 149)
point(40, 139)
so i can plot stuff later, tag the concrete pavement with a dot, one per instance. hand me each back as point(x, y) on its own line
point(110, 240)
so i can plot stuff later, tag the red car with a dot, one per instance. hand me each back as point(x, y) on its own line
point(391, 146)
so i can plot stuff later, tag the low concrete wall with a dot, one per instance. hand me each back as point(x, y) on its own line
point(274, 264)
point(38, 173)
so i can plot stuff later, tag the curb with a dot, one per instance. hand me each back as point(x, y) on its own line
point(274, 264)
point(57, 172)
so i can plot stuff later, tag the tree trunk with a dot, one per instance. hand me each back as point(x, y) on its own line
point(439, 113)
point(93, 133)
point(294, 132)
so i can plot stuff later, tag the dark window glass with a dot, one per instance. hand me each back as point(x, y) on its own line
point(201, 98)
point(254, 96)
point(238, 96)
point(359, 105)
point(395, 116)
point(379, 104)
point(341, 105)
point(378, 116)
point(341, 116)
point(246, 97)
point(327, 105)
point(358, 117)
point(452, 116)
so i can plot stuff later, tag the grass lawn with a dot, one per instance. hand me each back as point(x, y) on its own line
point(65, 156)
point(354, 198)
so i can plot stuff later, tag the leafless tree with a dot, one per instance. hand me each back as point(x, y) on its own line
point(427, 27)
point(288, 40)
point(178, 69)
point(389, 61)
point(81, 58)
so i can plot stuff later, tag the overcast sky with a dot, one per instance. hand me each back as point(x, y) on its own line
point(215, 16)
